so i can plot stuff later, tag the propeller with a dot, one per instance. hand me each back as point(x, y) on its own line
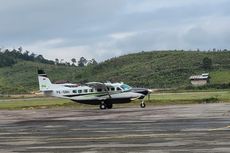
point(149, 93)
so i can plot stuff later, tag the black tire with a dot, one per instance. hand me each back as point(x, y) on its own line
point(102, 106)
point(109, 106)
point(142, 105)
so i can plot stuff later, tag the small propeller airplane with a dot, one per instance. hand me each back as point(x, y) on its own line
point(93, 93)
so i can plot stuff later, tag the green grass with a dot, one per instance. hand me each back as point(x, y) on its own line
point(33, 103)
point(155, 99)
point(190, 97)
point(219, 77)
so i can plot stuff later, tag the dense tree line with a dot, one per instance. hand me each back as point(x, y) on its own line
point(11, 57)
point(6, 60)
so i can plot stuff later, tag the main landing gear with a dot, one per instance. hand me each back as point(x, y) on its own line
point(104, 105)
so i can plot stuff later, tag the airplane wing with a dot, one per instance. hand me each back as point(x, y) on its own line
point(99, 85)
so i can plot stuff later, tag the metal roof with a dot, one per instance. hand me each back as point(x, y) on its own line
point(203, 76)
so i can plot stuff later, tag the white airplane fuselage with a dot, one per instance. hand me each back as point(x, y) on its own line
point(94, 93)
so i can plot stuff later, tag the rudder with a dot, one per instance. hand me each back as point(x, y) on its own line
point(44, 82)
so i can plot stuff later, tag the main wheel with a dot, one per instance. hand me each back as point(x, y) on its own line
point(109, 106)
point(102, 106)
point(142, 105)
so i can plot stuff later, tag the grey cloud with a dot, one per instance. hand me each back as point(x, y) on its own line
point(86, 27)
point(50, 18)
point(204, 38)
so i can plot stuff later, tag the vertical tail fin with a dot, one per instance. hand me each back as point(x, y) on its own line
point(44, 82)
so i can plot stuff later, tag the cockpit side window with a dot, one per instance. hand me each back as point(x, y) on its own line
point(125, 87)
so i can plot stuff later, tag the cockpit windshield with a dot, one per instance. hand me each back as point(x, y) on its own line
point(125, 87)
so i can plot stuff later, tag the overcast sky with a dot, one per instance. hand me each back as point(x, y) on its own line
point(102, 29)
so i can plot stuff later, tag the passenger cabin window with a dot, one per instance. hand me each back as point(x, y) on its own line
point(118, 89)
point(79, 91)
point(86, 90)
point(112, 89)
point(74, 91)
point(90, 90)
point(99, 90)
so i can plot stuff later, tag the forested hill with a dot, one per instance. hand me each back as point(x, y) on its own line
point(161, 69)
point(9, 58)
point(157, 69)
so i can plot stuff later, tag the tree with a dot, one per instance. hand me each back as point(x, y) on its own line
point(62, 61)
point(32, 55)
point(74, 61)
point(20, 49)
point(92, 62)
point(56, 61)
point(40, 57)
point(26, 53)
point(207, 63)
point(82, 62)
point(67, 63)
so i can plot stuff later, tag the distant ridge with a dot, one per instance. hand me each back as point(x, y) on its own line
point(154, 69)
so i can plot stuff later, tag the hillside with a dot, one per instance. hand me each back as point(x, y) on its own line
point(145, 69)
point(161, 69)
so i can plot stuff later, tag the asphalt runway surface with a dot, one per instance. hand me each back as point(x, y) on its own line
point(203, 128)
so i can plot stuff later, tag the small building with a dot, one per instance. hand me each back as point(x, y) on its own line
point(199, 80)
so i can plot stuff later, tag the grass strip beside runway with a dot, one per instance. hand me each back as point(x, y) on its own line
point(155, 99)
point(191, 97)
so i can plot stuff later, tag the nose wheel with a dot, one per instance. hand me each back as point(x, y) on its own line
point(142, 105)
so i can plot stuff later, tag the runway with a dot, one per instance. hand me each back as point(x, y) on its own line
point(196, 128)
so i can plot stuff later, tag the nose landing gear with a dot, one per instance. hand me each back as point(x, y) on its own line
point(142, 105)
